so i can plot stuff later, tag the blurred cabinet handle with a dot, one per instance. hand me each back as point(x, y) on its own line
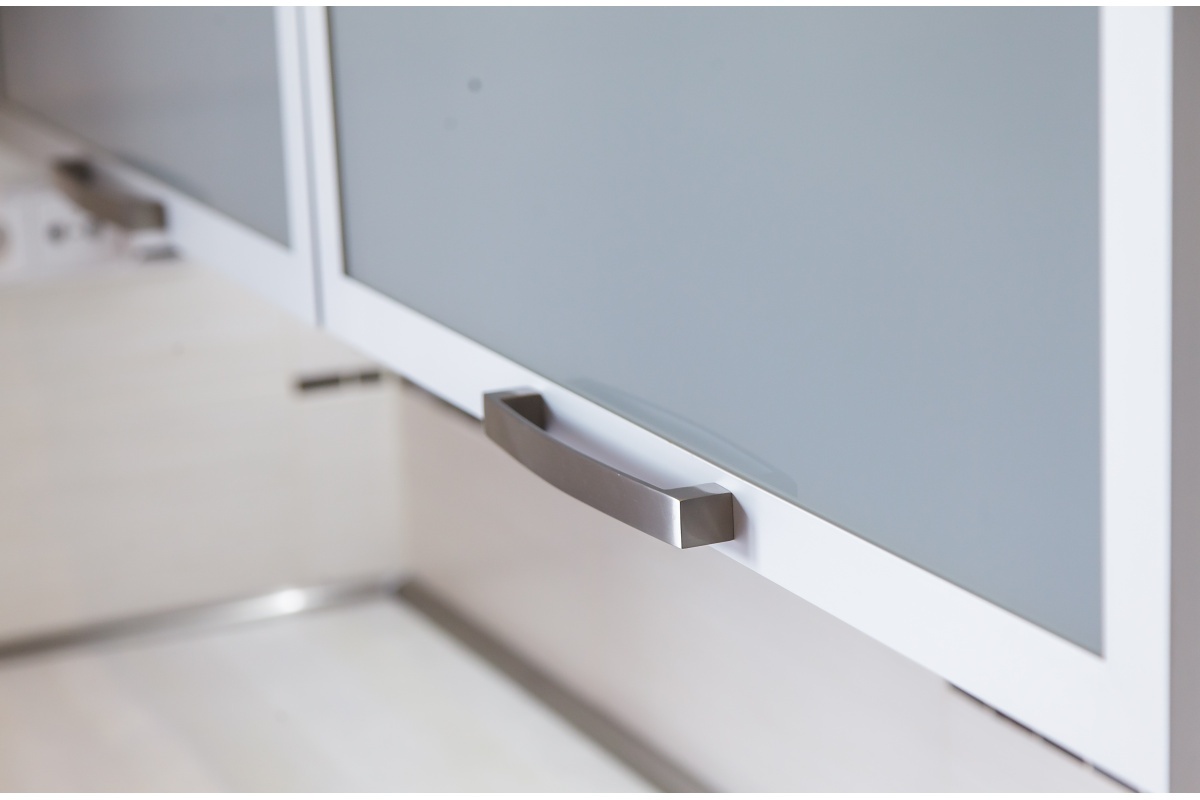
point(686, 517)
point(77, 179)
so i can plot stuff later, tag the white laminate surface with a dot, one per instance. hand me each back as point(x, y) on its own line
point(367, 698)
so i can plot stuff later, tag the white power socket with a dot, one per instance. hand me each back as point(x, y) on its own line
point(41, 231)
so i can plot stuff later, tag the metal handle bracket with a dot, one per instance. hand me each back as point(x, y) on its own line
point(689, 516)
point(78, 180)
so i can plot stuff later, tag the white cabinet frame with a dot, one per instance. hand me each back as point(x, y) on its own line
point(284, 274)
point(1114, 710)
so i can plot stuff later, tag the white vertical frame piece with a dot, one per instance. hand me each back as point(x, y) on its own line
point(284, 274)
point(1112, 710)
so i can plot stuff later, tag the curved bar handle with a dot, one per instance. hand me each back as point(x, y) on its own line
point(78, 180)
point(686, 517)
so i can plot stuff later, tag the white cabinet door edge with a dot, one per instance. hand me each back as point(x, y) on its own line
point(283, 274)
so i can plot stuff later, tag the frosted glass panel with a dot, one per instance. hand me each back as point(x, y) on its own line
point(189, 95)
point(848, 254)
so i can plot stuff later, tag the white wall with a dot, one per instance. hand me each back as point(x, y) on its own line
point(154, 455)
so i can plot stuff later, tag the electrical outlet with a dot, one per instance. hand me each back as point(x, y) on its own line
point(62, 235)
point(41, 231)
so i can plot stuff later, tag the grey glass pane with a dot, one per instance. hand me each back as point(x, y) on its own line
point(189, 95)
point(849, 254)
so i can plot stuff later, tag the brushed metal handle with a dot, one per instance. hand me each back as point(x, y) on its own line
point(78, 180)
point(689, 516)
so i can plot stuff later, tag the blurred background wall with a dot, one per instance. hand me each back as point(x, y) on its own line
point(155, 454)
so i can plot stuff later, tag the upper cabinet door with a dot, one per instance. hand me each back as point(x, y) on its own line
point(197, 107)
point(851, 255)
point(895, 278)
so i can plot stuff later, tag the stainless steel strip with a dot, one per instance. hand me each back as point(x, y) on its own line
point(280, 603)
point(656, 768)
point(689, 516)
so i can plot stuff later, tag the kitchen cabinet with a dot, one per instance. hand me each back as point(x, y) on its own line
point(852, 256)
point(911, 286)
point(198, 109)
point(900, 281)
